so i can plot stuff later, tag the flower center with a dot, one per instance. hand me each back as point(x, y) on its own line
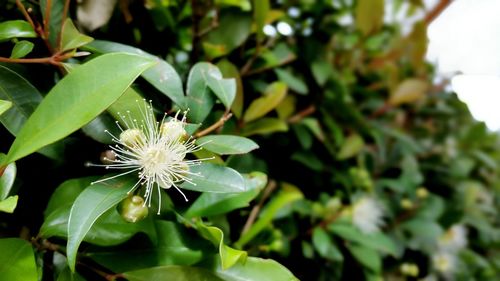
point(156, 159)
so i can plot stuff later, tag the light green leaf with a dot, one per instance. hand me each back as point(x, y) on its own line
point(260, 10)
point(409, 91)
point(162, 75)
point(229, 70)
point(369, 15)
point(325, 246)
point(214, 178)
point(76, 100)
point(92, 203)
point(172, 272)
point(211, 204)
point(228, 256)
point(255, 269)
point(7, 178)
point(23, 96)
point(71, 38)
point(227, 144)
point(273, 95)
point(9, 205)
point(352, 146)
point(130, 105)
point(287, 195)
point(4, 106)
point(264, 126)
point(17, 260)
point(21, 49)
point(16, 29)
point(224, 89)
point(295, 83)
point(368, 257)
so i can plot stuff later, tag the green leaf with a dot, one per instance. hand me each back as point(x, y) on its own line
point(17, 260)
point(172, 272)
point(16, 29)
point(295, 83)
point(67, 275)
point(92, 203)
point(255, 269)
point(23, 96)
point(260, 10)
point(71, 38)
point(4, 106)
point(214, 178)
point(227, 144)
point(9, 205)
point(224, 89)
point(229, 70)
point(325, 246)
point(228, 256)
point(162, 75)
point(76, 100)
point(211, 204)
point(273, 95)
point(233, 29)
point(369, 15)
point(66, 193)
point(409, 91)
point(322, 70)
point(130, 105)
point(264, 126)
point(7, 178)
point(368, 257)
point(352, 146)
point(97, 128)
point(287, 195)
point(21, 49)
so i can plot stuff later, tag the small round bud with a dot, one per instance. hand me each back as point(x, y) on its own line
point(132, 209)
point(422, 193)
point(409, 269)
point(108, 157)
point(132, 137)
point(406, 204)
point(174, 130)
point(317, 209)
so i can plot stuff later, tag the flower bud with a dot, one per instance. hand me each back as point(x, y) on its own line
point(132, 209)
point(422, 193)
point(132, 137)
point(174, 130)
point(409, 269)
point(108, 157)
point(406, 204)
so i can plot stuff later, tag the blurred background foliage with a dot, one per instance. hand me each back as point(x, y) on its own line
point(375, 171)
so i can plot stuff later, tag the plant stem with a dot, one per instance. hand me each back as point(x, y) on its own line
point(214, 126)
point(271, 186)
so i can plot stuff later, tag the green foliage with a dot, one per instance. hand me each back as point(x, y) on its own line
point(325, 153)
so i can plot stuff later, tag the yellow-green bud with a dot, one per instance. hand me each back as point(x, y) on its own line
point(406, 204)
point(132, 137)
point(410, 269)
point(174, 130)
point(422, 193)
point(132, 209)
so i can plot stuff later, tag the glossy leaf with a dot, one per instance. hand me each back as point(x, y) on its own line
point(287, 195)
point(215, 178)
point(21, 49)
point(256, 269)
point(264, 126)
point(172, 272)
point(9, 204)
point(71, 38)
point(23, 96)
point(227, 144)
point(92, 203)
point(66, 193)
point(130, 105)
point(162, 75)
point(211, 204)
point(351, 147)
point(273, 95)
point(229, 70)
point(409, 91)
point(4, 106)
point(17, 260)
point(233, 29)
point(7, 178)
point(16, 29)
point(76, 100)
point(369, 15)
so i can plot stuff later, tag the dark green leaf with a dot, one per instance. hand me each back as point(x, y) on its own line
point(215, 178)
point(325, 246)
point(233, 29)
point(227, 144)
point(368, 257)
point(66, 193)
point(16, 29)
point(17, 260)
point(295, 83)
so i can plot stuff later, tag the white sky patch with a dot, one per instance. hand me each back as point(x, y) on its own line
point(465, 39)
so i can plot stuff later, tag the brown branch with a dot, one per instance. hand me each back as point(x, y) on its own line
point(436, 11)
point(214, 126)
point(380, 111)
point(2, 170)
point(289, 59)
point(213, 24)
point(46, 18)
point(302, 114)
point(246, 68)
point(54, 59)
point(21, 7)
point(271, 186)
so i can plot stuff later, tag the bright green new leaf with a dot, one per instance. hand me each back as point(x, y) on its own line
point(273, 95)
point(409, 91)
point(287, 195)
point(172, 272)
point(71, 38)
point(228, 256)
point(369, 15)
point(76, 100)
point(92, 203)
point(9, 205)
point(352, 146)
point(264, 126)
point(162, 75)
point(214, 178)
point(16, 29)
point(17, 260)
point(227, 144)
point(21, 49)
point(4, 106)
point(7, 178)
point(255, 269)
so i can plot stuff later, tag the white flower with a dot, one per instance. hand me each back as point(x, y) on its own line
point(367, 215)
point(444, 262)
point(156, 151)
point(454, 239)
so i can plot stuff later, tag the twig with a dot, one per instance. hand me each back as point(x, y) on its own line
point(54, 59)
point(289, 59)
point(214, 126)
point(2, 170)
point(246, 68)
point(271, 186)
point(380, 111)
point(302, 114)
point(436, 11)
point(21, 7)
point(213, 24)
point(46, 18)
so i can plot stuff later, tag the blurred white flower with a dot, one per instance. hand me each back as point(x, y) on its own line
point(367, 215)
point(454, 239)
point(445, 263)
